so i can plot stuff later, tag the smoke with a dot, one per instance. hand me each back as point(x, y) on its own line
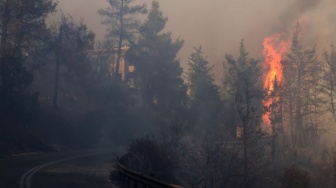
point(87, 10)
point(296, 9)
point(219, 25)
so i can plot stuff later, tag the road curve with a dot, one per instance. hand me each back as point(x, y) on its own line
point(59, 169)
point(25, 180)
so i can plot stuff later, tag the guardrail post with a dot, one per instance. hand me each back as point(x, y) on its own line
point(135, 183)
point(128, 181)
point(120, 175)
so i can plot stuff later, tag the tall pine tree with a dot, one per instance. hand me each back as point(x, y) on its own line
point(159, 75)
point(22, 25)
point(205, 102)
point(243, 86)
point(122, 22)
point(158, 69)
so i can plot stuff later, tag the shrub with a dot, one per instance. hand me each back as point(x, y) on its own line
point(149, 156)
point(294, 177)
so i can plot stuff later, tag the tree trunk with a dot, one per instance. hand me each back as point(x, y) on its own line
point(245, 153)
point(58, 62)
point(117, 75)
point(246, 118)
point(121, 37)
point(291, 122)
point(332, 96)
point(299, 129)
point(334, 173)
point(55, 98)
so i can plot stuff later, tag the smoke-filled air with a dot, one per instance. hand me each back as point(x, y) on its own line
point(168, 93)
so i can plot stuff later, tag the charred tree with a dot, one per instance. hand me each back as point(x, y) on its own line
point(302, 72)
point(329, 81)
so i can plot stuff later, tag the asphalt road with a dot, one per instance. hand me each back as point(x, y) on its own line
point(73, 169)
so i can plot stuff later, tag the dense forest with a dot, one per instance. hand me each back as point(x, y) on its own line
point(262, 126)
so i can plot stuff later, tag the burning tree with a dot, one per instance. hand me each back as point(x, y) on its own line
point(274, 48)
point(292, 85)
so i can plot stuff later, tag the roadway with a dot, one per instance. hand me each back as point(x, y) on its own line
point(64, 169)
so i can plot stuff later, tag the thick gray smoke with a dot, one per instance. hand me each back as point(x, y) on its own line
point(294, 12)
point(219, 25)
point(297, 9)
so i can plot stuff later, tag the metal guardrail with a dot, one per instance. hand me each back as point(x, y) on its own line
point(133, 179)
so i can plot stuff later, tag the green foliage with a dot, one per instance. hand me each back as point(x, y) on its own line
point(201, 80)
point(17, 42)
point(155, 22)
point(16, 100)
point(149, 156)
point(76, 38)
point(23, 23)
point(243, 88)
point(62, 59)
point(72, 50)
point(159, 72)
point(244, 74)
point(120, 19)
point(22, 26)
point(123, 25)
point(205, 102)
point(216, 160)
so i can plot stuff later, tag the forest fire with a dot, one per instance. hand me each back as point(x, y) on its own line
point(274, 48)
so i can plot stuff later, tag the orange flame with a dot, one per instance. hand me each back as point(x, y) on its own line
point(274, 48)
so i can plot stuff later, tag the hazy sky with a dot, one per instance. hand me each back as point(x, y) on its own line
point(219, 25)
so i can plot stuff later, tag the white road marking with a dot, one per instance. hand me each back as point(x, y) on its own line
point(25, 180)
point(18, 155)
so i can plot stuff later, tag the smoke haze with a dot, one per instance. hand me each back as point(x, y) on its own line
point(219, 25)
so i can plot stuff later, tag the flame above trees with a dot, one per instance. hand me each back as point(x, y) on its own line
point(274, 48)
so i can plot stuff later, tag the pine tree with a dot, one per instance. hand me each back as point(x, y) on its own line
point(158, 72)
point(301, 91)
point(122, 22)
point(329, 81)
point(70, 44)
point(22, 25)
point(243, 85)
point(204, 95)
